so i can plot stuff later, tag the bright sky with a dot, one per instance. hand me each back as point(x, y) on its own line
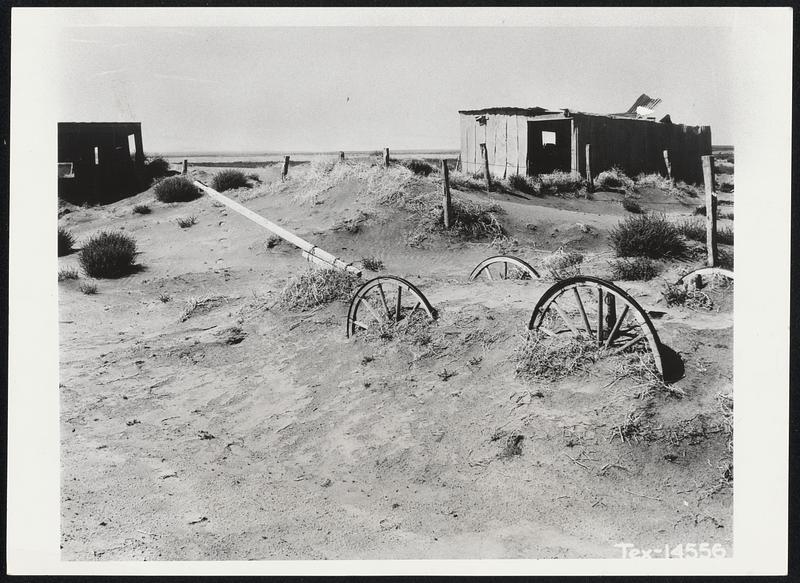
point(350, 88)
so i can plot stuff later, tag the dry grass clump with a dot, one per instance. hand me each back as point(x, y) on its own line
point(141, 209)
point(725, 402)
point(418, 166)
point(462, 181)
point(198, 306)
point(372, 263)
point(176, 189)
point(88, 288)
point(524, 184)
point(690, 190)
point(653, 180)
point(636, 269)
point(66, 273)
point(353, 224)
point(678, 295)
point(649, 235)
point(632, 206)
point(66, 241)
point(561, 184)
point(317, 287)
point(552, 359)
point(725, 235)
point(614, 179)
point(228, 180)
point(563, 264)
point(693, 229)
point(108, 254)
point(186, 222)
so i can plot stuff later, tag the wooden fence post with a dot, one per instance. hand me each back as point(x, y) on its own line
point(341, 156)
point(446, 190)
point(711, 210)
point(285, 169)
point(386, 157)
point(668, 164)
point(589, 178)
point(485, 153)
point(185, 166)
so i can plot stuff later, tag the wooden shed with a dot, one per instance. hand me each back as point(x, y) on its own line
point(99, 162)
point(537, 141)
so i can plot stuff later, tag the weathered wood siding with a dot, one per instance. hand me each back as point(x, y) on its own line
point(631, 144)
point(637, 146)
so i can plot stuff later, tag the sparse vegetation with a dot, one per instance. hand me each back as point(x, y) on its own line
point(108, 254)
point(418, 166)
point(352, 225)
point(653, 180)
point(186, 222)
point(553, 359)
point(693, 229)
point(176, 189)
point(67, 273)
point(632, 206)
point(648, 235)
point(228, 180)
point(524, 184)
point(164, 297)
point(372, 263)
point(636, 269)
point(614, 179)
point(678, 295)
point(561, 183)
point(274, 241)
point(157, 167)
point(141, 209)
point(66, 241)
point(725, 235)
point(317, 287)
point(462, 181)
point(562, 264)
point(88, 288)
point(254, 177)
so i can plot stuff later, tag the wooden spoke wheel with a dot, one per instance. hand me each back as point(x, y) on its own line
point(385, 301)
point(597, 310)
point(700, 278)
point(504, 267)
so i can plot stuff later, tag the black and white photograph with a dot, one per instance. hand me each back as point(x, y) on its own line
point(354, 286)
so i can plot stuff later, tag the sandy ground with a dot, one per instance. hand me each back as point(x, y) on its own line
point(184, 438)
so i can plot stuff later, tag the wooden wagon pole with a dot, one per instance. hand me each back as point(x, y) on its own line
point(711, 210)
point(447, 204)
point(309, 248)
point(285, 169)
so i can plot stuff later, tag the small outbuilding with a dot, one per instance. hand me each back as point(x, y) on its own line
point(100, 162)
point(535, 140)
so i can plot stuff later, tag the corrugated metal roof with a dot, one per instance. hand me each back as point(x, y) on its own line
point(532, 111)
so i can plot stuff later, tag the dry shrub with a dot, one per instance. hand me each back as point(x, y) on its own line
point(186, 222)
point(462, 181)
point(649, 235)
point(524, 184)
point(67, 273)
point(157, 167)
point(562, 264)
point(66, 241)
point(418, 166)
point(653, 181)
point(561, 184)
point(552, 359)
point(725, 402)
point(678, 295)
point(108, 254)
point(632, 206)
point(228, 180)
point(141, 209)
point(317, 287)
point(693, 229)
point(88, 288)
point(636, 269)
point(176, 189)
point(353, 224)
point(372, 263)
point(725, 235)
point(614, 179)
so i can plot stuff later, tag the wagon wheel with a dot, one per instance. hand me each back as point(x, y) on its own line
point(507, 268)
point(700, 278)
point(592, 308)
point(384, 301)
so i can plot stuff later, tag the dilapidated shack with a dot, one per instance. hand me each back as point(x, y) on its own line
point(537, 141)
point(99, 162)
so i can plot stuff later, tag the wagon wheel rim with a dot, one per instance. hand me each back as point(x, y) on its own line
point(386, 300)
point(597, 310)
point(503, 266)
point(706, 272)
